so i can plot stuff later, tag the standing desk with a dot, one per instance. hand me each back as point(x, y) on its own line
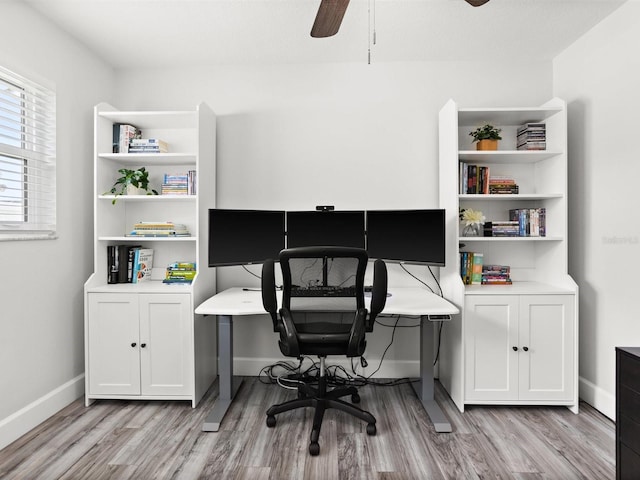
point(410, 301)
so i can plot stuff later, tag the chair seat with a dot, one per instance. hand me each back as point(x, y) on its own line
point(322, 338)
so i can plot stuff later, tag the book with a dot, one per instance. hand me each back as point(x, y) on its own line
point(496, 275)
point(159, 229)
point(180, 272)
point(476, 268)
point(531, 136)
point(532, 221)
point(112, 264)
point(142, 265)
point(149, 144)
point(123, 133)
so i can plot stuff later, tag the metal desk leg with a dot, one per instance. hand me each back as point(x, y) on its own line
point(228, 384)
point(424, 387)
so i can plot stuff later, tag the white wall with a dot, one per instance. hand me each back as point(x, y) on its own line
point(41, 319)
point(349, 135)
point(599, 77)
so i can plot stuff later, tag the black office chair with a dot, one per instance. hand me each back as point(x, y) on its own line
point(323, 313)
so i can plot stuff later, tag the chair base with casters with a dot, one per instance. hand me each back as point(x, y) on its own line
point(321, 400)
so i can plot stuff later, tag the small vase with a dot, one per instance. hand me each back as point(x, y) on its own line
point(472, 230)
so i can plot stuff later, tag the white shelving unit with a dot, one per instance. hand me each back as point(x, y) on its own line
point(143, 340)
point(511, 344)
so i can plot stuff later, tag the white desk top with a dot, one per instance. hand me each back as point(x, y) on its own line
point(411, 301)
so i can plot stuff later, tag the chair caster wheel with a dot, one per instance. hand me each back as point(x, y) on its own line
point(271, 421)
point(371, 429)
point(314, 448)
point(355, 398)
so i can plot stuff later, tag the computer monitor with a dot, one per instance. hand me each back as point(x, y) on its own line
point(411, 236)
point(332, 228)
point(243, 237)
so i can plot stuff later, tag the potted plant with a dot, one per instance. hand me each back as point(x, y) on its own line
point(132, 182)
point(487, 137)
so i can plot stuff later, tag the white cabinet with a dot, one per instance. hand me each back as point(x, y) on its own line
point(143, 340)
point(139, 344)
point(539, 311)
point(519, 348)
point(113, 345)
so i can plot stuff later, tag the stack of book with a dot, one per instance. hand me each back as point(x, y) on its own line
point(532, 136)
point(180, 273)
point(507, 228)
point(159, 229)
point(532, 222)
point(129, 263)
point(148, 145)
point(496, 275)
point(179, 183)
point(471, 267)
point(502, 185)
point(122, 135)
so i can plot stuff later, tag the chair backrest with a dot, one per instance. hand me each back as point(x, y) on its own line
point(323, 277)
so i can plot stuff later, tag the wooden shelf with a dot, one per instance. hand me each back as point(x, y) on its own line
point(511, 239)
point(509, 197)
point(151, 158)
point(469, 117)
point(159, 119)
point(147, 239)
point(149, 198)
point(517, 288)
point(506, 156)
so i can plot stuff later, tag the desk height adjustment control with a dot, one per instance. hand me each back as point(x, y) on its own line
point(439, 318)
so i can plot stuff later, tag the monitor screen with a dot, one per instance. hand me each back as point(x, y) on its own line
point(412, 236)
point(333, 228)
point(241, 237)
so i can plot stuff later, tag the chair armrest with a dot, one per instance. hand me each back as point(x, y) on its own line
point(356, 338)
point(288, 342)
point(268, 287)
point(379, 292)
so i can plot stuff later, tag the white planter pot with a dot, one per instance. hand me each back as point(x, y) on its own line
point(131, 190)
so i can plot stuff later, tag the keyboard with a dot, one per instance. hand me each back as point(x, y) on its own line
point(323, 292)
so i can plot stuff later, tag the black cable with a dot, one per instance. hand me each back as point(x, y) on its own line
point(436, 280)
point(421, 281)
point(250, 272)
point(439, 340)
point(396, 326)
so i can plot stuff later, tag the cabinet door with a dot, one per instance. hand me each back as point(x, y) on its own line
point(166, 339)
point(547, 331)
point(113, 350)
point(491, 332)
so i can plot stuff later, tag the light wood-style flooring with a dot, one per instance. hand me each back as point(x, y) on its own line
point(163, 440)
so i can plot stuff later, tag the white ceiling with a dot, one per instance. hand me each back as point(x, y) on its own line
point(160, 33)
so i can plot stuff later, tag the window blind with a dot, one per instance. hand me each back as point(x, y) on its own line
point(27, 158)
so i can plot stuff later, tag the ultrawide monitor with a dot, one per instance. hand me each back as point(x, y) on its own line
point(333, 228)
point(242, 237)
point(411, 236)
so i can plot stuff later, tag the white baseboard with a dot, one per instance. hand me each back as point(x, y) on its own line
point(32, 415)
point(598, 398)
point(251, 366)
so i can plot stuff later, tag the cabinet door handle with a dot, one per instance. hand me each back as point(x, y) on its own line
point(515, 349)
point(526, 349)
point(133, 344)
point(142, 345)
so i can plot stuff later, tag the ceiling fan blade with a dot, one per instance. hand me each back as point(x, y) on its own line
point(329, 18)
point(476, 3)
